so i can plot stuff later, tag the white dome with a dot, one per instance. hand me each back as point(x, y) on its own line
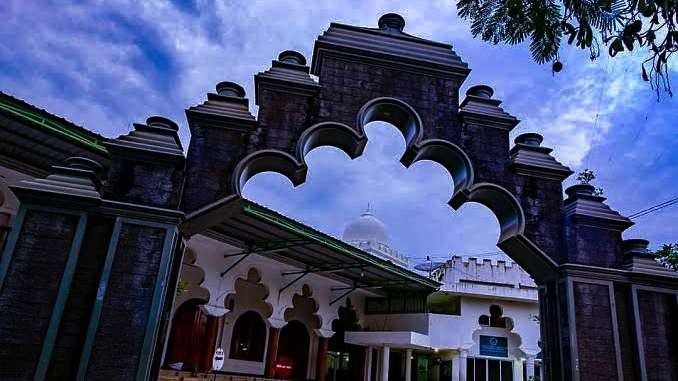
point(366, 228)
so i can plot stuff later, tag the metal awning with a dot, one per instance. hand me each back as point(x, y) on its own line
point(259, 230)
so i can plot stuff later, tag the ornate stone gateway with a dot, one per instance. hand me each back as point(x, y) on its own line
point(608, 310)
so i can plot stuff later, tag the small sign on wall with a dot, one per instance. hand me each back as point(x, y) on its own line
point(494, 346)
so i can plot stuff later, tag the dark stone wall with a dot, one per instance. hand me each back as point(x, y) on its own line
point(488, 149)
point(152, 184)
point(542, 203)
point(548, 304)
point(564, 350)
point(592, 245)
point(212, 155)
point(595, 334)
point(283, 117)
point(76, 317)
point(30, 289)
point(118, 341)
point(625, 318)
point(659, 327)
point(348, 85)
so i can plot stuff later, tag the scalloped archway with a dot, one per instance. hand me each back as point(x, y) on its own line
point(502, 203)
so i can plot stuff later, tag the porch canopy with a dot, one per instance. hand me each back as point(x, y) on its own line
point(259, 230)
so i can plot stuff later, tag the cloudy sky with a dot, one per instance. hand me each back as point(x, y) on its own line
point(106, 64)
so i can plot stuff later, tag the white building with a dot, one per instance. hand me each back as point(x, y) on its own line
point(483, 323)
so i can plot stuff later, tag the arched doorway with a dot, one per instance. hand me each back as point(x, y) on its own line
point(249, 338)
point(192, 338)
point(346, 361)
point(293, 347)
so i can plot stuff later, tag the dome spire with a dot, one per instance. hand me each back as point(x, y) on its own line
point(369, 211)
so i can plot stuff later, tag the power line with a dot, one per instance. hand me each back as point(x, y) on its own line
point(654, 208)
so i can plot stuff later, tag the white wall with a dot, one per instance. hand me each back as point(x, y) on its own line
point(461, 332)
point(272, 303)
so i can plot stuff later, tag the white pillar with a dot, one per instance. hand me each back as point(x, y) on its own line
point(408, 365)
point(385, 357)
point(463, 355)
point(456, 366)
point(530, 368)
point(368, 364)
point(518, 370)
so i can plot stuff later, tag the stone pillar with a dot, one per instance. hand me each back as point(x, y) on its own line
point(385, 357)
point(222, 131)
point(408, 365)
point(368, 364)
point(529, 363)
point(463, 356)
point(137, 285)
point(81, 304)
point(38, 272)
point(272, 352)
point(321, 367)
point(489, 160)
point(538, 181)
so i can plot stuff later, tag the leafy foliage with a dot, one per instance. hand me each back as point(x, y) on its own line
point(668, 255)
point(586, 176)
point(621, 25)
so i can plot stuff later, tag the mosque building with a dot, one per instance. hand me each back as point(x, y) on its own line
point(133, 258)
point(263, 296)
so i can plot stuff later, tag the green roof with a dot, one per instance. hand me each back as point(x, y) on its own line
point(51, 123)
point(267, 215)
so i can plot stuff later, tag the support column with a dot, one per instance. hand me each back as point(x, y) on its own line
point(272, 352)
point(368, 364)
point(530, 368)
point(455, 366)
point(463, 356)
point(321, 368)
point(385, 357)
point(408, 365)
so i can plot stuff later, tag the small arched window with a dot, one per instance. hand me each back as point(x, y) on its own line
point(249, 337)
point(496, 318)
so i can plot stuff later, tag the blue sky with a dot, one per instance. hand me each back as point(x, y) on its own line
point(107, 64)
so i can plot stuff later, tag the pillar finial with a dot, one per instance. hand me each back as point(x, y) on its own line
point(392, 22)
